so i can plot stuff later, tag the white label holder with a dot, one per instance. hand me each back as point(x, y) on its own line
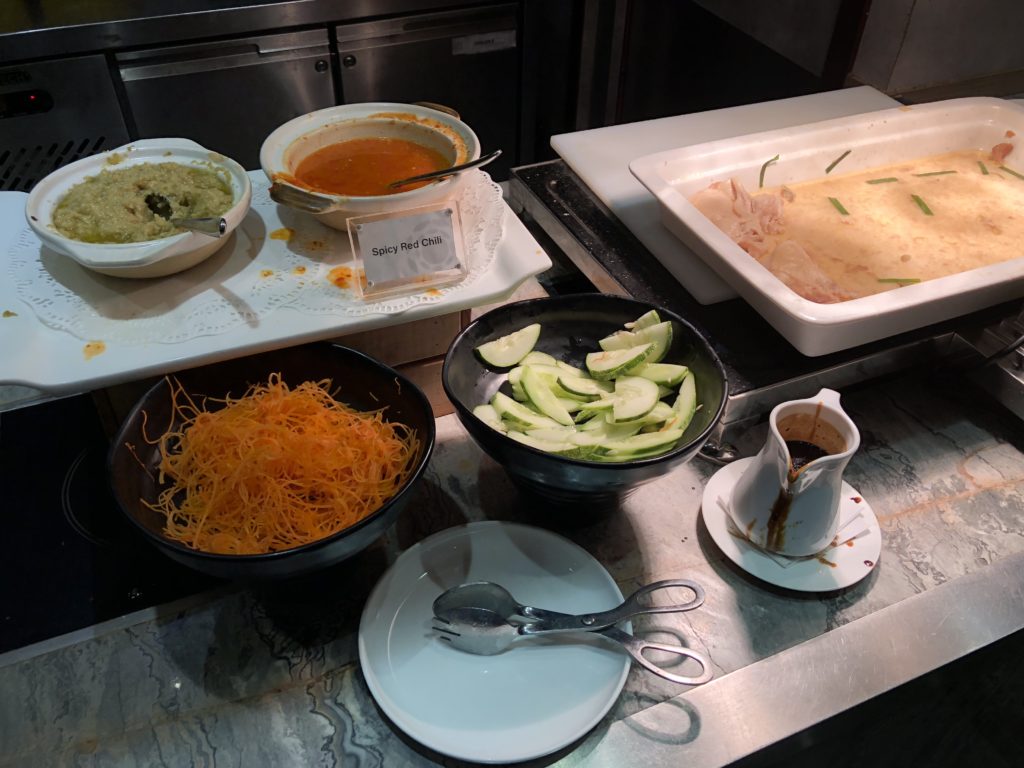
point(410, 251)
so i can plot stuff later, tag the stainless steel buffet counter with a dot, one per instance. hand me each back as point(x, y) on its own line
point(268, 675)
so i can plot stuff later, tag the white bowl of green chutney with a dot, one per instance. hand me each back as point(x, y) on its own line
point(101, 197)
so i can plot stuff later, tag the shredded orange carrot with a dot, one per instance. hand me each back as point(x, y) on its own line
point(276, 468)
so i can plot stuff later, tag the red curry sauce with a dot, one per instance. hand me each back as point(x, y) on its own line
point(367, 166)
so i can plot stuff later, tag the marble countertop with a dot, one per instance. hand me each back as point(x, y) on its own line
point(269, 675)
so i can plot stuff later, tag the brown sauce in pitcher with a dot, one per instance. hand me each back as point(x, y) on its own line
point(802, 453)
point(808, 437)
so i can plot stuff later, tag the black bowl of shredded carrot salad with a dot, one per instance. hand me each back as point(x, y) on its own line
point(274, 465)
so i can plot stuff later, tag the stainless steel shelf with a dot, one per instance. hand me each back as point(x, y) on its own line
point(31, 30)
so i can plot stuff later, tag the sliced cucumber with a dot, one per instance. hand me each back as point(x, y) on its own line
point(562, 447)
point(659, 335)
point(618, 362)
point(606, 431)
point(489, 416)
point(659, 414)
point(588, 388)
point(618, 340)
point(572, 370)
point(646, 320)
point(514, 379)
point(587, 439)
point(655, 417)
point(540, 394)
point(628, 447)
point(517, 415)
point(666, 374)
point(549, 372)
point(596, 420)
point(509, 350)
point(557, 434)
point(621, 457)
point(538, 358)
point(572, 405)
point(612, 412)
point(550, 375)
point(586, 416)
point(634, 397)
point(569, 444)
point(685, 405)
point(595, 408)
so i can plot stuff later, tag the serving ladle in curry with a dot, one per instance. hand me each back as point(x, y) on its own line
point(444, 173)
point(484, 619)
point(213, 226)
point(301, 199)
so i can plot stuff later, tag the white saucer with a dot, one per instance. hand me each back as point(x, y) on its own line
point(524, 703)
point(839, 567)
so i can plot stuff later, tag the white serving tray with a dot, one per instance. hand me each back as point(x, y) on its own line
point(39, 356)
point(876, 139)
point(601, 157)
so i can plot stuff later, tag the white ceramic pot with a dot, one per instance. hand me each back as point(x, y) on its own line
point(151, 258)
point(291, 143)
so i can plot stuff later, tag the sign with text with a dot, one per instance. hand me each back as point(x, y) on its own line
point(408, 251)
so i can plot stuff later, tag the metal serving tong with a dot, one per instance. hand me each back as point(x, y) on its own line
point(485, 619)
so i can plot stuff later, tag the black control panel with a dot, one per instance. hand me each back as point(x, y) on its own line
point(21, 103)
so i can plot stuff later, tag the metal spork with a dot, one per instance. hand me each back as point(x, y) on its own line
point(484, 619)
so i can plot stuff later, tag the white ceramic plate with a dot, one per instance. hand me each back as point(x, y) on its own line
point(849, 564)
point(527, 702)
point(874, 139)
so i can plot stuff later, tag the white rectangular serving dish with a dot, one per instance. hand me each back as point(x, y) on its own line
point(875, 139)
point(53, 361)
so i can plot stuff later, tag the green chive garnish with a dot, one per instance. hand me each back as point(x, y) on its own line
point(1011, 172)
point(934, 173)
point(886, 180)
point(984, 170)
point(900, 280)
point(760, 179)
point(836, 162)
point(922, 205)
point(839, 206)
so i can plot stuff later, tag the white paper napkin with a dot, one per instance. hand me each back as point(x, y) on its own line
point(852, 524)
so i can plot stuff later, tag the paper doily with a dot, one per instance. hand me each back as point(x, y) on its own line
point(276, 258)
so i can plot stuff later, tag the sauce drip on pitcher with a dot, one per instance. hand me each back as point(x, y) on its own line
point(802, 453)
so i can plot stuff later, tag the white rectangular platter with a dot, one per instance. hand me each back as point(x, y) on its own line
point(874, 139)
point(36, 353)
point(601, 157)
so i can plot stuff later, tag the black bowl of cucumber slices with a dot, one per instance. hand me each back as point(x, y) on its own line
point(583, 398)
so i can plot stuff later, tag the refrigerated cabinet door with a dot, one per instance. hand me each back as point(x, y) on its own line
point(53, 113)
point(228, 95)
point(466, 60)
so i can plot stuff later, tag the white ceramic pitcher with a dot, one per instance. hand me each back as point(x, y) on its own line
point(787, 508)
